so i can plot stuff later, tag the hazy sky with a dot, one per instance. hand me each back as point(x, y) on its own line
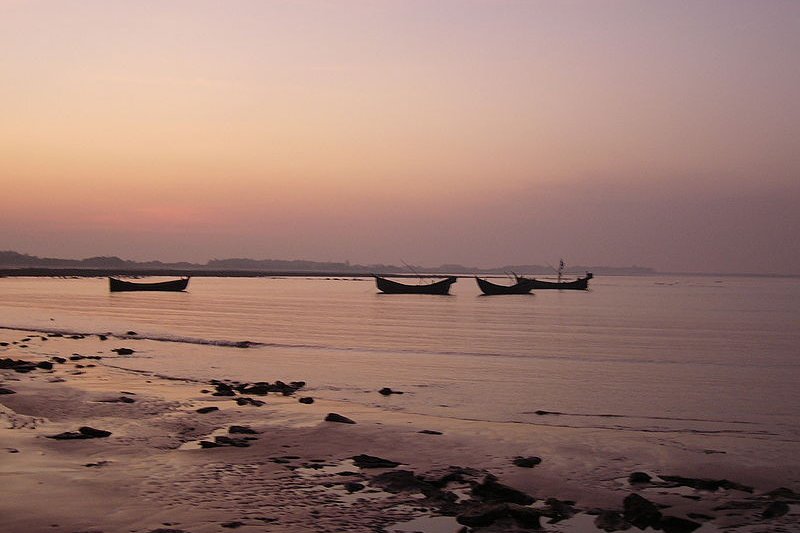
point(481, 132)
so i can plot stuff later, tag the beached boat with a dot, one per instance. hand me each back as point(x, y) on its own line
point(580, 284)
point(118, 285)
point(388, 286)
point(490, 289)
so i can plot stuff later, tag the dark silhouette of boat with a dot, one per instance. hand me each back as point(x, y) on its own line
point(388, 286)
point(580, 284)
point(177, 285)
point(522, 286)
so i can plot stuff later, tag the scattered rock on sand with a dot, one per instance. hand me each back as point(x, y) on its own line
point(710, 485)
point(247, 430)
point(306, 400)
point(84, 432)
point(639, 477)
point(123, 351)
point(491, 490)
point(386, 391)
point(335, 417)
point(775, 509)
point(370, 461)
point(641, 512)
point(611, 521)
point(353, 486)
point(674, 524)
point(527, 462)
point(6, 391)
point(249, 401)
point(430, 432)
point(205, 410)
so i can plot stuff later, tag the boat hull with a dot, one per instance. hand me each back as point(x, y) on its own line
point(580, 284)
point(118, 285)
point(493, 289)
point(388, 286)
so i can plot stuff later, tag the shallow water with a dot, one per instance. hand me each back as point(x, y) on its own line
point(699, 355)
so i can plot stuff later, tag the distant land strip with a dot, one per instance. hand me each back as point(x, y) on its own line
point(17, 264)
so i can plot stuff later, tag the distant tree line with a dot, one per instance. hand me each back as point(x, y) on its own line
point(11, 259)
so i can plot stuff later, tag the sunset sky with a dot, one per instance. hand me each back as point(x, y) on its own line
point(482, 132)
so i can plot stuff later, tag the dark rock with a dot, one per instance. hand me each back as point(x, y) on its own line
point(59, 360)
point(92, 433)
point(542, 413)
point(784, 493)
point(208, 444)
point(524, 516)
point(775, 509)
point(710, 485)
point(77, 336)
point(370, 461)
point(232, 525)
point(54, 334)
point(84, 432)
point(430, 432)
point(7, 391)
point(76, 357)
point(639, 477)
point(228, 441)
point(353, 486)
point(396, 481)
point(131, 333)
point(335, 417)
point(483, 515)
point(641, 512)
point(440, 478)
point(223, 389)
point(123, 351)
point(493, 491)
point(386, 391)
point(46, 365)
point(167, 530)
point(527, 462)
point(102, 337)
point(121, 399)
point(673, 524)
point(306, 400)
point(3, 344)
point(558, 510)
point(611, 521)
point(260, 389)
point(249, 401)
point(243, 430)
point(205, 410)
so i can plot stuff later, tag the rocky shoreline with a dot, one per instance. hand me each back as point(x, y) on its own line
point(92, 447)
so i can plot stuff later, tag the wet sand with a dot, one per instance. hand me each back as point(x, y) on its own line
point(295, 471)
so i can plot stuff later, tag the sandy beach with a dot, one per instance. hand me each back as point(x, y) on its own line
point(203, 457)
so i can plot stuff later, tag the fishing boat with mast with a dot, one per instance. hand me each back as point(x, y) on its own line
point(580, 284)
point(521, 286)
point(441, 287)
point(388, 286)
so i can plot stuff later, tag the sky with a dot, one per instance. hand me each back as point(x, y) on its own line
point(480, 132)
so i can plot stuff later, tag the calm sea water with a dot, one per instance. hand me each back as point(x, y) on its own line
point(672, 354)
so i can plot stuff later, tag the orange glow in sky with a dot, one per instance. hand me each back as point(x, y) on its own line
point(472, 131)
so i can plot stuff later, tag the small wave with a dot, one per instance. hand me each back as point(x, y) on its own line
point(157, 338)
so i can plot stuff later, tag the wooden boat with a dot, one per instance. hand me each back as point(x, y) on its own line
point(388, 286)
point(580, 284)
point(488, 288)
point(118, 285)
